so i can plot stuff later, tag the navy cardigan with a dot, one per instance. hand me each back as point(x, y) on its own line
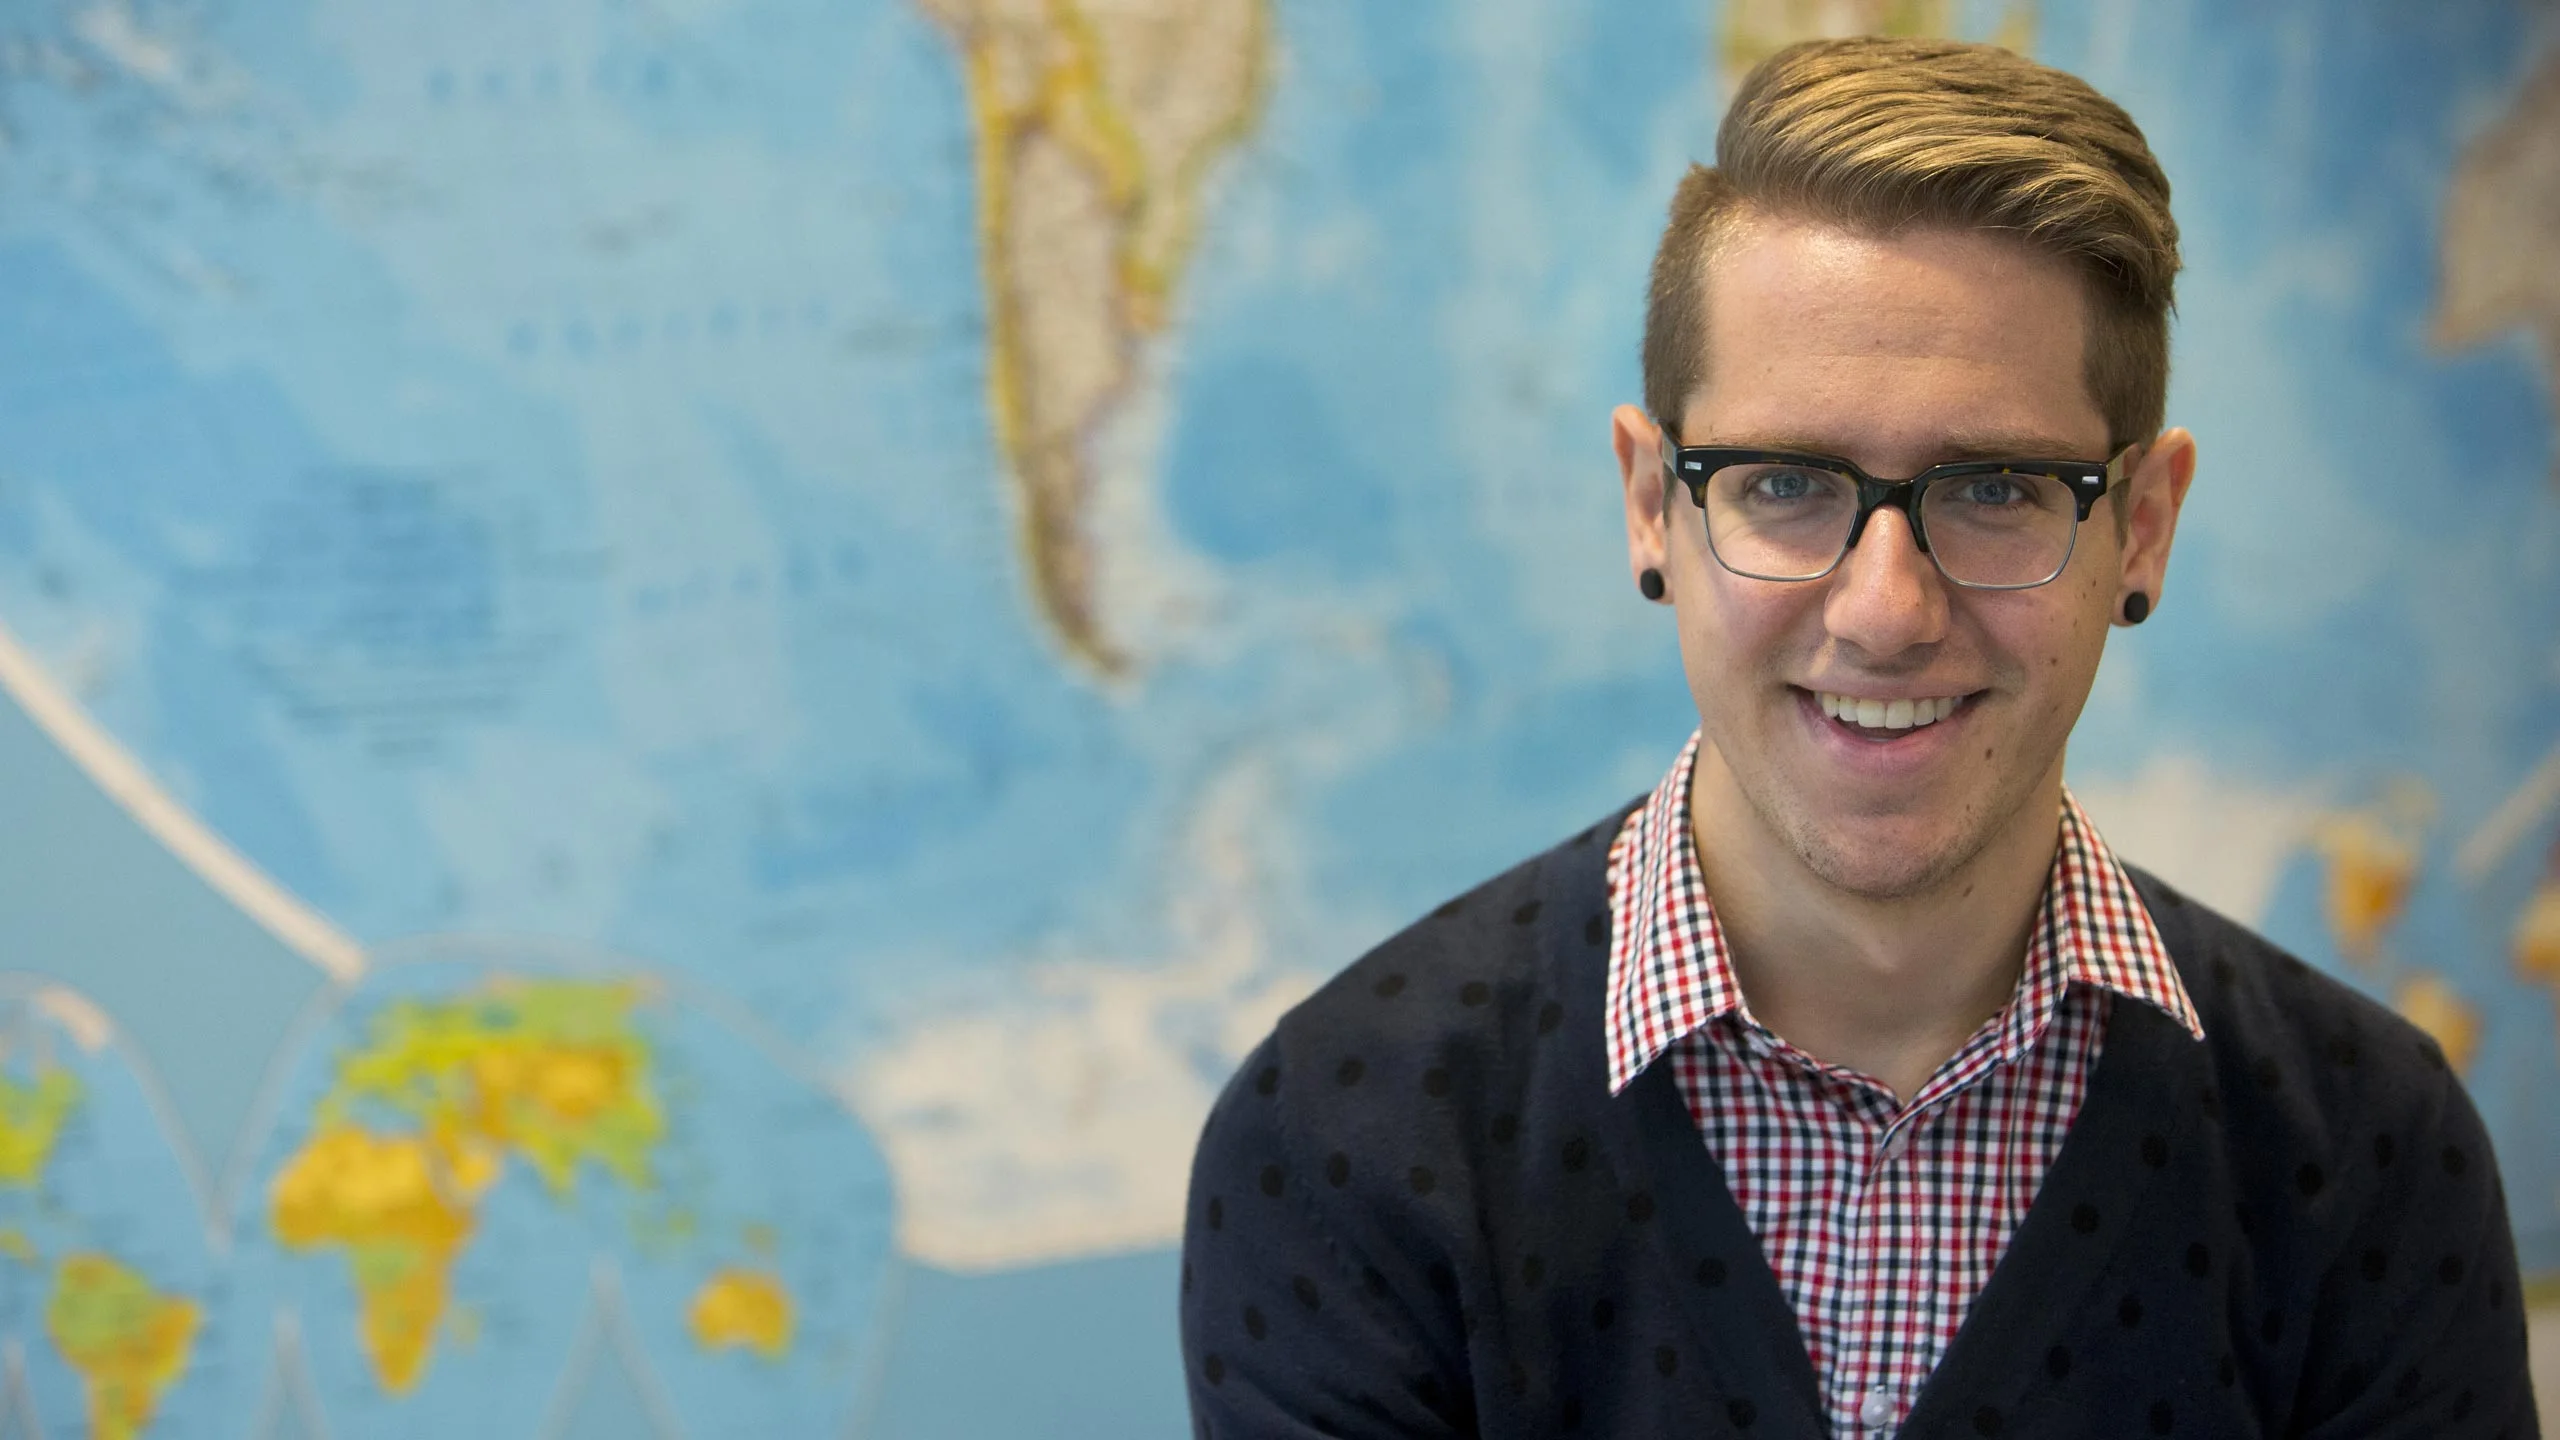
point(1417, 1211)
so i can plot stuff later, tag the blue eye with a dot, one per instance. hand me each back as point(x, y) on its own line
point(1781, 484)
point(1994, 491)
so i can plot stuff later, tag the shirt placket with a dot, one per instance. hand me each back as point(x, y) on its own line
point(1873, 1140)
point(1902, 1351)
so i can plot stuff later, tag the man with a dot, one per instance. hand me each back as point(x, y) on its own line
point(1847, 1084)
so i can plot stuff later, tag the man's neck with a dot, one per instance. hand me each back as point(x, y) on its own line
point(1890, 988)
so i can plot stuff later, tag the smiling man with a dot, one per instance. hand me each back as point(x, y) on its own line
point(1847, 1085)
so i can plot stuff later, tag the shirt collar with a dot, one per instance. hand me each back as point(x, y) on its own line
point(1669, 973)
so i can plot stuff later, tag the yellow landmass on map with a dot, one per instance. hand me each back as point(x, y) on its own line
point(2370, 862)
point(553, 1071)
point(127, 1341)
point(550, 1072)
point(402, 1215)
point(2500, 256)
point(31, 1117)
point(1754, 30)
point(2426, 1001)
point(2538, 933)
point(2369, 874)
point(1095, 124)
point(742, 1309)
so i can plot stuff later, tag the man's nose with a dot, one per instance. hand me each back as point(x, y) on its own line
point(1886, 596)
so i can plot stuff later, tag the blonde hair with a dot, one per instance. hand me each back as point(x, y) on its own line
point(1881, 136)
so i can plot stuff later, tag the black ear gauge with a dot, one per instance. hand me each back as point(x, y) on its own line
point(2137, 608)
point(1650, 582)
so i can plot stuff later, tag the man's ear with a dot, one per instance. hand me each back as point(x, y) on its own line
point(2157, 492)
point(1640, 476)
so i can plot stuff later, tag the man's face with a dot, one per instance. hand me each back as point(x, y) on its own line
point(1897, 354)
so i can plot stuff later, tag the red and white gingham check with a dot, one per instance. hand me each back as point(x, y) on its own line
point(1881, 1220)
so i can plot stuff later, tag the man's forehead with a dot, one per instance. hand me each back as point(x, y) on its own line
point(1923, 281)
point(1912, 429)
point(1949, 344)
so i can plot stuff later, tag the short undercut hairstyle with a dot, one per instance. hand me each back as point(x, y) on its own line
point(1882, 136)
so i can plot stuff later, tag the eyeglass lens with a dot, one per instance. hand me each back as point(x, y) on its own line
point(1792, 522)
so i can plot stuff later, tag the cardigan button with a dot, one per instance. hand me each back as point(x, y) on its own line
point(1876, 1409)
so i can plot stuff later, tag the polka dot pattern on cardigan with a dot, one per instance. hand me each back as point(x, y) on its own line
point(2292, 1227)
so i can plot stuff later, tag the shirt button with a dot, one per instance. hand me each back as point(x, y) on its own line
point(1877, 1408)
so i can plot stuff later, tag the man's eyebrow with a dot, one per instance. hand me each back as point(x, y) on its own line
point(2006, 445)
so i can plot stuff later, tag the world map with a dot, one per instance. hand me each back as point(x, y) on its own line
point(677, 676)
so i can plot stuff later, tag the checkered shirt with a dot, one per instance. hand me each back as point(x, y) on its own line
point(1881, 1220)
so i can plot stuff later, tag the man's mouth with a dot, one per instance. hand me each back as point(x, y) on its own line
point(1879, 718)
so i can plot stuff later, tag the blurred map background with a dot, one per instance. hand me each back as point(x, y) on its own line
point(681, 673)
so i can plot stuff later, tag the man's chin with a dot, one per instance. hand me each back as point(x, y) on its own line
point(1881, 841)
point(1881, 878)
point(1882, 857)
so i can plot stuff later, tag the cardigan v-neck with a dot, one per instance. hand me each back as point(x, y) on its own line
point(1418, 1211)
point(1882, 1215)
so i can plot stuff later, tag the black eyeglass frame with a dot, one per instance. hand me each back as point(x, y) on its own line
point(1691, 465)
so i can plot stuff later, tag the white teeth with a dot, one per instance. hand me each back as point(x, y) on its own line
point(1888, 714)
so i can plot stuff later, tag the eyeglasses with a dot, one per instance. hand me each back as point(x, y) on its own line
point(1988, 524)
